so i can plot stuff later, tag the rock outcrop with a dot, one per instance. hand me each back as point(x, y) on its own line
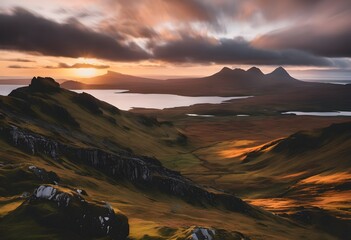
point(44, 84)
point(201, 233)
point(19, 178)
point(43, 175)
point(70, 210)
point(142, 171)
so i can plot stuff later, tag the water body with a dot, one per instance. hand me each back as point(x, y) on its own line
point(126, 101)
point(202, 115)
point(321, 114)
point(198, 115)
point(7, 89)
point(340, 82)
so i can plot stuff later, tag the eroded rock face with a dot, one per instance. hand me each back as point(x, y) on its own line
point(31, 143)
point(44, 84)
point(140, 170)
point(43, 175)
point(88, 218)
point(201, 233)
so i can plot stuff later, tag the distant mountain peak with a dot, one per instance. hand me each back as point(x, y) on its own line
point(280, 71)
point(225, 69)
point(255, 70)
point(113, 73)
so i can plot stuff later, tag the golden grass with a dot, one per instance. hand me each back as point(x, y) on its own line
point(326, 178)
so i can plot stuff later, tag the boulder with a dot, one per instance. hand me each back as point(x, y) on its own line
point(70, 210)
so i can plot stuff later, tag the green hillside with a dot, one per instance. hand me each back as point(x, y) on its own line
point(73, 167)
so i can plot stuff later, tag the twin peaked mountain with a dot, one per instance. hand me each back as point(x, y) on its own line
point(225, 82)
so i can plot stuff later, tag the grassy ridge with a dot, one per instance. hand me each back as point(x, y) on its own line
point(86, 122)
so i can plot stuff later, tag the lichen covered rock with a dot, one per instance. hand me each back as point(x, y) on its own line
point(84, 216)
point(202, 233)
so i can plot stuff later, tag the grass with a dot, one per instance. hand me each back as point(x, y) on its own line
point(148, 212)
point(212, 155)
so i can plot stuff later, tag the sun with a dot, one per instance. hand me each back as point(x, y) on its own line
point(86, 72)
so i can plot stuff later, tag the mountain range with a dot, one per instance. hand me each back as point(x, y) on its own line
point(223, 83)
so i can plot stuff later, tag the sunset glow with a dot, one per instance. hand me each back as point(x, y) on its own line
point(85, 72)
point(181, 38)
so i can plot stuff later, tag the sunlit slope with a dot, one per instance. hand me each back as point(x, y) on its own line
point(308, 168)
point(151, 215)
point(91, 177)
point(83, 120)
point(305, 154)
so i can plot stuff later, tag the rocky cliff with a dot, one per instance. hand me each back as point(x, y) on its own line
point(142, 171)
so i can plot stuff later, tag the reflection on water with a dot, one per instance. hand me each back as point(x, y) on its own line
point(7, 89)
point(127, 101)
point(198, 115)
point(321, 114)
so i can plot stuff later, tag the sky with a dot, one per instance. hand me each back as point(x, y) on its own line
point(174, 38)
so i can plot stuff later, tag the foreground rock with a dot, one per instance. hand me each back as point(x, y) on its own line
point(70, 210)
point(21, 178)
point(200, 233)
point(43, 175)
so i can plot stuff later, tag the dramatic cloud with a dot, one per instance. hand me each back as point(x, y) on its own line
point(306, 33)
point(16, 60)
point(200, 49)
point(332, 40)
point(24, 31)
point(19, 66)
point(324, 31)
point(78, 65)
point(153, 12)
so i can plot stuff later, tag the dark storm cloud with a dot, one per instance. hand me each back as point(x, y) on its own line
point(164, 30)
point(331, 40)
point(25, 31)
point(239, 51)
point(320, 27)
point(78, 65)
point(215, 14)
point(325, 30)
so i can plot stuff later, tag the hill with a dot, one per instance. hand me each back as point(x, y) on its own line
point(306, 169)
point(64, 154)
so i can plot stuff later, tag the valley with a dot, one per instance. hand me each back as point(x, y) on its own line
point(79, 142)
